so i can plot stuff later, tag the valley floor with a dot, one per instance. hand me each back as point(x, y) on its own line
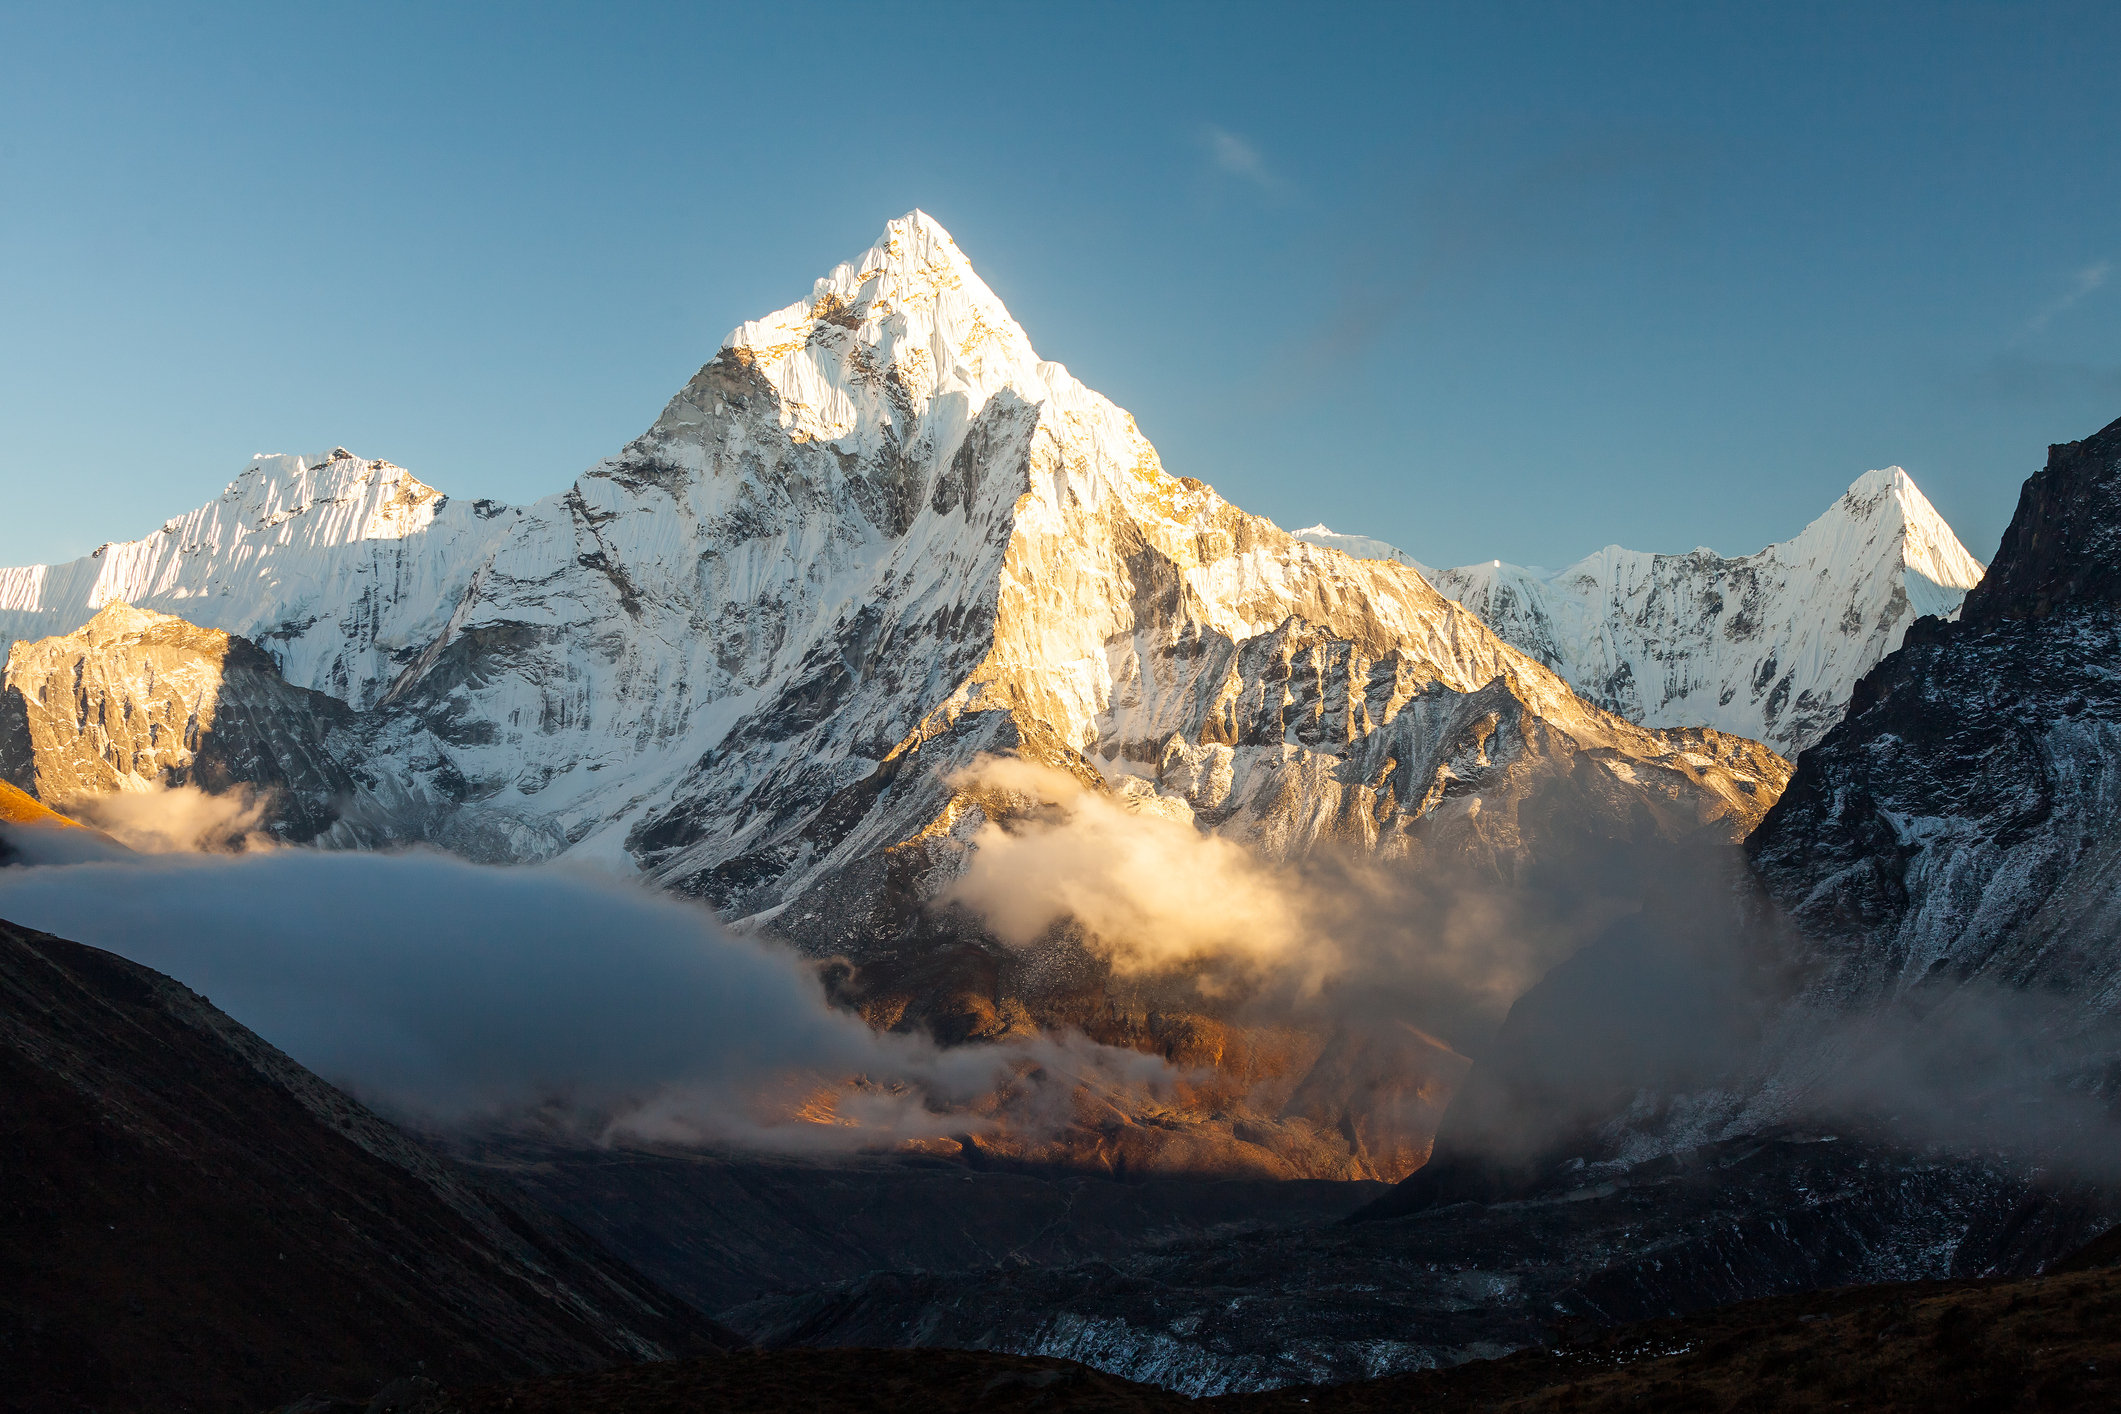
point(2046, 1343)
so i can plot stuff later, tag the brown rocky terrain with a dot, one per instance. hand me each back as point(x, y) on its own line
point(134, 702)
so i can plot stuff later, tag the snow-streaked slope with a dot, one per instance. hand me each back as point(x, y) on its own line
point(1766, 645)
point(340, 567)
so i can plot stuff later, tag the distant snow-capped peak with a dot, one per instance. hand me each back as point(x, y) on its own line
point(1766, 645)
point(1362, 547)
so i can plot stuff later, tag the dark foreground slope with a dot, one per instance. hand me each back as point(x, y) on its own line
point(2049, 1343)
point(188, 1219)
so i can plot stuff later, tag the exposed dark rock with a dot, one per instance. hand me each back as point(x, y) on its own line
point(722, 1228)
point(1963, 823)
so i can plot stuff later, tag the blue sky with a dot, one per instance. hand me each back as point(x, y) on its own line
point(1487, 281)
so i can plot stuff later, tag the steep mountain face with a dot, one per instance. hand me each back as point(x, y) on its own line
point(196, 1221)
point(1960, 831)
point(755, 655)
point(1767, 645)
point(136, 701)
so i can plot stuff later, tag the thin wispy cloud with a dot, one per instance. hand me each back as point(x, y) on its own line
point(2032, 382)
point(2081, 284)
point(1232, 156)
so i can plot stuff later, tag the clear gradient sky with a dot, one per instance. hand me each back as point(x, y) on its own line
point(1486, 281)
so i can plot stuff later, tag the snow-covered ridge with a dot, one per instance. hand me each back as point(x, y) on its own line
point(1362, 547)
point(1767, 645)
point(336, 564)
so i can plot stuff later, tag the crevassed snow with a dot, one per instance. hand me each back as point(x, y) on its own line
point(1767, 645)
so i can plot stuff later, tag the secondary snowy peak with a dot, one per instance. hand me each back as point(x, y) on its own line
point(1961, 825)
point(1767, 645)
point(336, 563)
point(1362, 547)
point(1885, 509)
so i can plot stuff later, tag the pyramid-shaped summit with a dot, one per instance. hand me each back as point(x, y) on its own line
point(872, 523)
point(756, 655)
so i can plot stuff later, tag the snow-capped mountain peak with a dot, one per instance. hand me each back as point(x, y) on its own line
point(363, 548)
point(1362, 547)
point(1766, 645)
point(883, 336)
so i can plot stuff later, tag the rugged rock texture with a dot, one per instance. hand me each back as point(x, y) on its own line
point(1957, 838)
point(192, 1220)
point(721, 1228)
point(1940, 1347)
point(1766, 645)
point(136, 701)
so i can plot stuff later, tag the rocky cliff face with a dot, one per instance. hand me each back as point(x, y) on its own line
point(1766, 646)
point(1962, 824)
point(134, 702)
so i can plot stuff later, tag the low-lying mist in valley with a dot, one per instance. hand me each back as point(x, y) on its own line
point(180, 819)
point(457, 994)
point(1616, 997)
